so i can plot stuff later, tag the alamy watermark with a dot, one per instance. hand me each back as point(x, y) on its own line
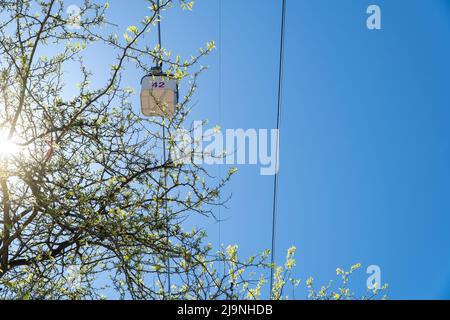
point(374, 280)
point(374, 19)
point(232, 147)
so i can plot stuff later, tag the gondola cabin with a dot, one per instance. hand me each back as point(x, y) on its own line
point(159, 94)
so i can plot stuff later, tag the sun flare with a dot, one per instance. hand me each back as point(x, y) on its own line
point(7, 147)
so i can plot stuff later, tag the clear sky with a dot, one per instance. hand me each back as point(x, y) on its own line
point(365, 154)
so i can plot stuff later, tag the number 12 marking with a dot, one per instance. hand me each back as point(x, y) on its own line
point(159, 85)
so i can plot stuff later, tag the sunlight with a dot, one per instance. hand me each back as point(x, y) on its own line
point(7, 147)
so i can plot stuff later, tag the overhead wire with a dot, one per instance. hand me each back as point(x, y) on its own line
point(220, 109)
point(160, 65)
point(277, 151)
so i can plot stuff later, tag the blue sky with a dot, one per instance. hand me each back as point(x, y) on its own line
point(365, 153)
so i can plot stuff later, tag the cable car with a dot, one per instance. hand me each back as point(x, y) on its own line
point(159, 94)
